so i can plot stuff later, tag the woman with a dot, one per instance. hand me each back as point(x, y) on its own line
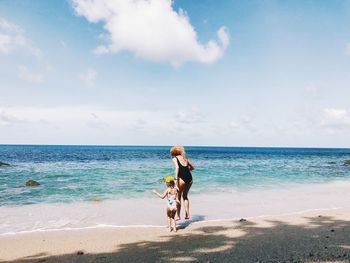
point(183, 178)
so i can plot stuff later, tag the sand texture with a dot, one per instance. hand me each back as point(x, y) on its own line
point(322, 236)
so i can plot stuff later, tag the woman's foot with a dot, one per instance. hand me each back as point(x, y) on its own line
point(177, 218)
point(187, 217)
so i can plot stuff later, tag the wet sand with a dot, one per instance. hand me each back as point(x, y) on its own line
point(322, 236)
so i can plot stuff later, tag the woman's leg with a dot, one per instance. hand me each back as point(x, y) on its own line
point(186, 201)
point(181, 185)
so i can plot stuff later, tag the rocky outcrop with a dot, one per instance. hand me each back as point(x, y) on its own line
point(2, 164)
point(32, 183)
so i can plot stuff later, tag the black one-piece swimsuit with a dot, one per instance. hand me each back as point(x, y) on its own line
point(184, 172)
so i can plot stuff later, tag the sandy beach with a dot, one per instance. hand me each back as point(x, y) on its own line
point(318, 236)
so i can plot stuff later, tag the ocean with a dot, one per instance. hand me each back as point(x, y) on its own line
point(91, 186)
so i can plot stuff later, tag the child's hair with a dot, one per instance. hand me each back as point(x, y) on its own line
point(172, 183)
point(178, 150)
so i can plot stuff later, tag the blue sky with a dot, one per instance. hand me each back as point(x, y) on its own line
point(275, 73)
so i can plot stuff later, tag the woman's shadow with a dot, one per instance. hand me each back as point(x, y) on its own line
point(194, 219)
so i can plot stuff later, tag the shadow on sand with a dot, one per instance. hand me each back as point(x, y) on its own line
point(319, 239)
point(194, 219)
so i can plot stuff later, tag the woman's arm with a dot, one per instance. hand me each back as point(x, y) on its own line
point(177, 197)
point(190, 165)
point(176, 171)
point(160, 195)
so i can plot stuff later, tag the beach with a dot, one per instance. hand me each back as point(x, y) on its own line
point(95, 204)
point(318, 236)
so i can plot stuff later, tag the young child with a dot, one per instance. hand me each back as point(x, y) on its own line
point(171, 193)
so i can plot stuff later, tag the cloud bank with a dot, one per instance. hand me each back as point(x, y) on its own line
point(151, 30)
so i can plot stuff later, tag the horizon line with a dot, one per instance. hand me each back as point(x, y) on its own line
point(194, 146)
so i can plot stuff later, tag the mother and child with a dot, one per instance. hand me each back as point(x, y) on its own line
point(177, 187)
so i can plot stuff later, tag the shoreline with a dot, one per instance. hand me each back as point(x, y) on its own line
point(181, 224)
point(302, 237)
point(148, 212)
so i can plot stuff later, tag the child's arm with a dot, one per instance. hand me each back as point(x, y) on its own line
point(160, 195)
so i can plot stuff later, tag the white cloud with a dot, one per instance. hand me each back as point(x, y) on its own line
point(25, 74)
point(88, 124)
point(347, 49)
point(5, 43)
point(12, 38)
point(335, 119)
point(151, 30)
point(63, 44)
point(89, 77)
point(7, 119)
point(191, 116)
point(234, 125)
point(313, 90)
point(336, 114)
point(96, 122)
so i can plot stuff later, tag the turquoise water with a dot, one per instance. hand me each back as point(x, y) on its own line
point(85, 173)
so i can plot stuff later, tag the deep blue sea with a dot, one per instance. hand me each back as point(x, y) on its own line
point(84, 173)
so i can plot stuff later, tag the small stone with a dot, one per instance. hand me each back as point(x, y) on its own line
point(319, 216)
point(80, 252)
point(311, 254)
point(327, 236)
point(4, 164)
point(325, 247)
point(32, 183)
point(242, 220)
point(332, 230)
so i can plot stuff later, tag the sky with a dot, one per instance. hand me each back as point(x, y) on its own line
point(188, 72)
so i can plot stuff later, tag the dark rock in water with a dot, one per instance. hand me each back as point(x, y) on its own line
point(242, 220)
point(4, 164)
point(80, 252)
point(347, 162)
point(32, 183)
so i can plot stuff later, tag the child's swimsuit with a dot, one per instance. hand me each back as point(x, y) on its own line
point(184, 172)
point(171, 200)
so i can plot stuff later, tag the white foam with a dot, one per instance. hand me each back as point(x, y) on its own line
point(150, 212)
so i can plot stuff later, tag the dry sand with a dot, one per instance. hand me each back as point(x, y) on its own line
point(322, 236)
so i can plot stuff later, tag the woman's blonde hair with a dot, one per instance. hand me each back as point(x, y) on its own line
point(178, 150)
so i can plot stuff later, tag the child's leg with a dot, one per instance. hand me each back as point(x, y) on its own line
point(169, 222)
point(169, 215)
point(173, 220)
